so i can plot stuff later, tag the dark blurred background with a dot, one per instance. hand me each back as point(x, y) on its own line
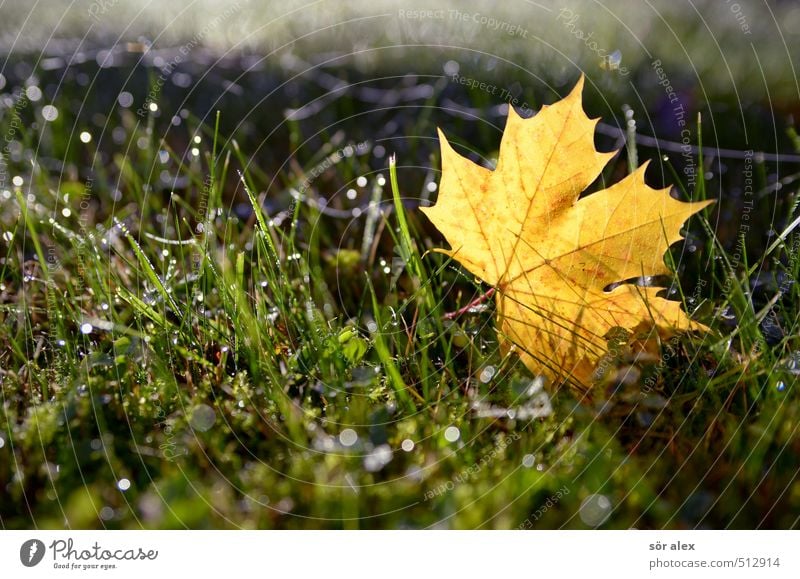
point(293, 80)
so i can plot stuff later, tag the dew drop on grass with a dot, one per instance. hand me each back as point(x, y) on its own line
point(348, 437)
point(452, 434)
point(407, 445)
point(123, 484)
point(594, 510)
point(49, 113)
point(378, 458)
point(86, 328)
point(487, 374)
point(361, 181)
point(34, 93)
point(2, 442)
point(125, 99)
point(203, 417)
point(118, 135)
point(780, 386)
point(793, 364)
point(8, 236)
point(528, 461)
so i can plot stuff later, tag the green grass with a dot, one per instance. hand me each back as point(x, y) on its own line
point(223, 369)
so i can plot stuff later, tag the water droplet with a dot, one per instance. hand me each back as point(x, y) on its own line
point(106, 513)
point(595, 509)
point(49, 113)
point(378, 458)
point(8, 236)
point(123, 484)
point(793, 363)
point(18, 182)
point(361, 181)
point(452, 433)
point(85, 137)
point(34, 93)
point(451, 67)
point(203, 417)
point(86, 328)
point(66, 212)
point(125, 99)
point(487, 374)
point(431, 187)
point(348, 437)
point(2, 442)
point(528, 460)
point(407, 445)
point(780, 386)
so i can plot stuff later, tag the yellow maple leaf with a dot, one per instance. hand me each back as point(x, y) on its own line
point(523, 229)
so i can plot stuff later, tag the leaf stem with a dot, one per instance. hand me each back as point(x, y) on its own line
point(477, 301)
